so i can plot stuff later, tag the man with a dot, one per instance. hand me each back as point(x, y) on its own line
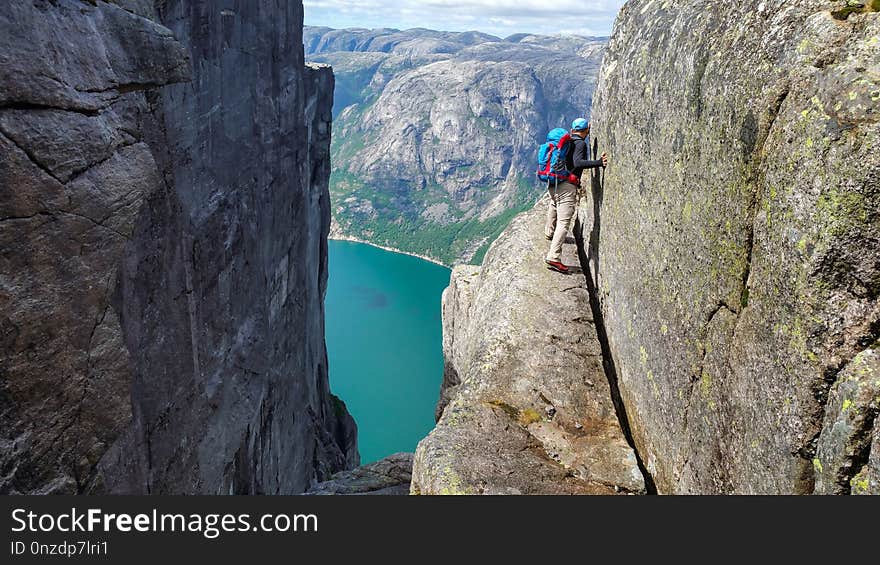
point(564, 195)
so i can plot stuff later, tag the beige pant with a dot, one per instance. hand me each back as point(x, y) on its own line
point(563, 204)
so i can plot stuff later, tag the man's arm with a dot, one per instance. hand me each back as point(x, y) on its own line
point(581, 158)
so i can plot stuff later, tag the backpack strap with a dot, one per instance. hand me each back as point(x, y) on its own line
point(561, 172)
point(560, 165)
point(564, 144)
point(564, 139)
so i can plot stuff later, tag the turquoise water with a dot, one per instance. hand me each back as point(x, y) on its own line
point(384, 343)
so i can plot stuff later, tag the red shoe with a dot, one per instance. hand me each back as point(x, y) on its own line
point(557, 266)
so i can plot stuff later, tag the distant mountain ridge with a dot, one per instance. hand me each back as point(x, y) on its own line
point(389, 40)
point(435, 132)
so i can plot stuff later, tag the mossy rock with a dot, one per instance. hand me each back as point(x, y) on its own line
point(852, 7)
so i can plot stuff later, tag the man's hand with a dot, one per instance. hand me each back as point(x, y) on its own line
point(604, 159)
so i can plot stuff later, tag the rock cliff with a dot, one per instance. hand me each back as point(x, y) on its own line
point(732, 257)
point(163, 218)
point(526, 407)
point(435, 132)
point(735, 241)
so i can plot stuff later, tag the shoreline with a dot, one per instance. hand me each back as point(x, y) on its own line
point(386, 248)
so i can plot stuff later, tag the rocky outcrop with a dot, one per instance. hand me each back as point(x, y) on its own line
point(437, 132)
point(734, 241)
point(164, 253)
point(388, 477)
point(526, 406)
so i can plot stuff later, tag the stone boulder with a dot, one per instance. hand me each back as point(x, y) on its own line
point(390, 476)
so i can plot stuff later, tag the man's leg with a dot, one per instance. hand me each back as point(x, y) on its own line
point(550, 225)
point(566, 201)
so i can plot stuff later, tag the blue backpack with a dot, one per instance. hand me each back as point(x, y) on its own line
point(552, 157)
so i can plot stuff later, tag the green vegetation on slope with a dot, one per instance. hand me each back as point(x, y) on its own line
point(445, 242)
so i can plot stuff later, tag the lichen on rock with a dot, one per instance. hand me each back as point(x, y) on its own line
point(733, 239)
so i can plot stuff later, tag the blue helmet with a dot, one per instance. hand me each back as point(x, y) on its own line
point(580, 124)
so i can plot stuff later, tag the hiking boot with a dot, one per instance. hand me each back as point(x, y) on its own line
point(558, 267)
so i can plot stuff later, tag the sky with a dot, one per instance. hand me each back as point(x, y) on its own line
point(497, 17)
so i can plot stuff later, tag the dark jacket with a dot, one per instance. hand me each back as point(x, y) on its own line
point(579, 159)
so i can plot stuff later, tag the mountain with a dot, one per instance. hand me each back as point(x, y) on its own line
point(163, 255)
point(435, 133)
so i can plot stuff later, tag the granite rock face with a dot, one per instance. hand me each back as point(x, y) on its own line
point(74, 171)
point(389, 477)
point(436, 133)
point(164, 251)
point(734, 241)
point(526, 406)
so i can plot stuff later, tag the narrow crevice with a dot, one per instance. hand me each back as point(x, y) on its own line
point(32, 106)
point(136, 87)
point(860, 458)
point(704, 337)
point(757, 161)
point(821, 392)
point(695, 377)
point(750, 251)
point(74, 419)
point(608, 360)
point(30, 156)
point(78, 173)
point(722, 305)
point(53, 215)
point(24, 218)
point(617, 488)
point(96, 223)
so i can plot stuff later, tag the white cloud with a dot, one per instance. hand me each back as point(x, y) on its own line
point(498, 17)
